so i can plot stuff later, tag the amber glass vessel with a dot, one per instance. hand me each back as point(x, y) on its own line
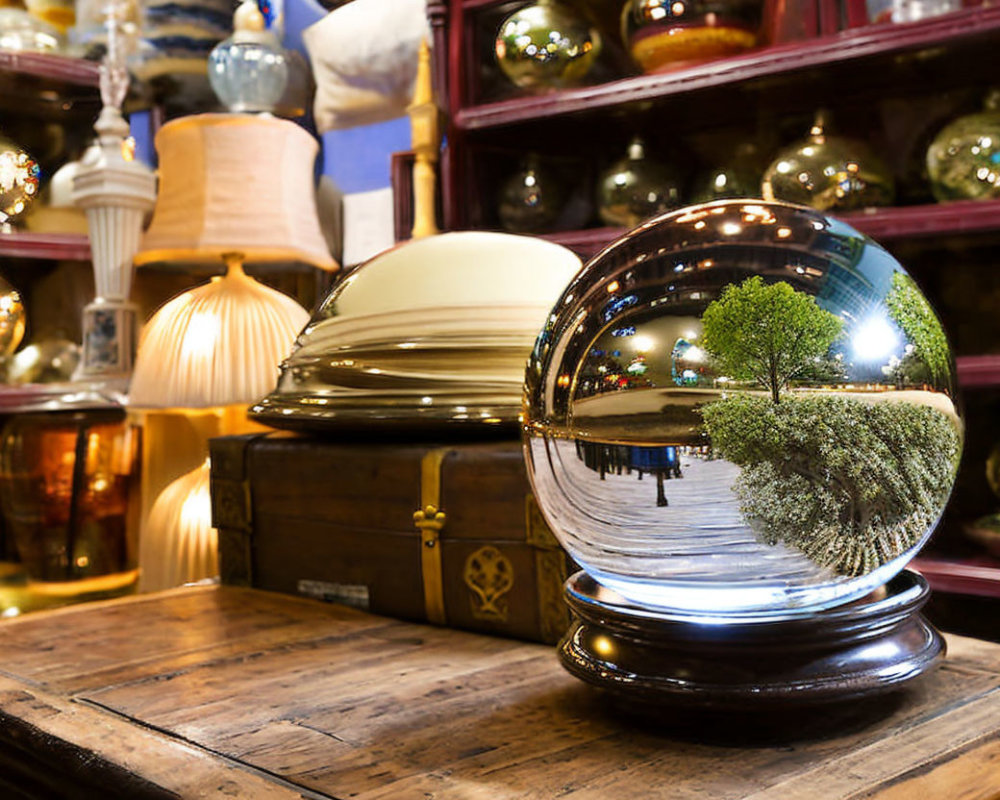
point(65, 484)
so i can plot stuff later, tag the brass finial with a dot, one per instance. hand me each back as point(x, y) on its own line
point(425, 140)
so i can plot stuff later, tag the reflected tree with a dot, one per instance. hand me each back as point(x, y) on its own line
point(851, 484)
point(768, 333)
point(909, 309)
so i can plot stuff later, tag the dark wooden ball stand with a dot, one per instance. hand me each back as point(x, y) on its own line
point(647, 660)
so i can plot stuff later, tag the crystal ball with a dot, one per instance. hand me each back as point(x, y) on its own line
point(742, 410)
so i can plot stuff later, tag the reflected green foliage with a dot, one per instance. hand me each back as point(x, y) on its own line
point(851, 484)
point(910, 310)
point(769, 333)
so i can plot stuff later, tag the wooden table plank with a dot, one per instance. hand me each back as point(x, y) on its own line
point(104, 755)
point(189, 687)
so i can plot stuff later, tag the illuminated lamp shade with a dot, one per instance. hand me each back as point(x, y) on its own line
point(179, 543)
point(215, 345)
point(235, 183)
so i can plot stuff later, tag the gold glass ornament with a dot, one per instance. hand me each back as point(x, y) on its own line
point(963, 161)
point(19, 174)
point(829, 173)
point(531, 199)
point(546, 45)
point(12, 319)
point(636, 188)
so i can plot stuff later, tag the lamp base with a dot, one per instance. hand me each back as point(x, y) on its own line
point(648, 660)
point(108, 343)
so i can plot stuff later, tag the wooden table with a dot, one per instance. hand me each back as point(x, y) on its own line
point(225, 692)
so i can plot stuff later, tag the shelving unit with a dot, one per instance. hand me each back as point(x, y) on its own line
point(917, 65)
point(48, 246)
point(60, 69)
point(848, 47)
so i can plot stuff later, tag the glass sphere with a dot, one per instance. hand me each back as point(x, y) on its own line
point(546, 45)
point(248, 71)
point(742, 410)
point(737, 177)
point(12, 319)
point(963, 161)
point(19, 31)
point(247, 76)
point(636, 188)
point(19, 174)
point(829, 173)
point(531, 199)
point(664, 34)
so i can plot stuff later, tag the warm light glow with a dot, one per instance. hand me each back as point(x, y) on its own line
point(218, 344)
point(643, 344)
point(603, 646)
point(178, 543)
point(613, 287)
point(201, 335)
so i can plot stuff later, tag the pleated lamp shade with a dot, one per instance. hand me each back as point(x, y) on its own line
point(215, 345)
point(179, 544)
point(235, 183)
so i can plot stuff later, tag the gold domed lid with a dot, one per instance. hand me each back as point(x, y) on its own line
point(433, 332)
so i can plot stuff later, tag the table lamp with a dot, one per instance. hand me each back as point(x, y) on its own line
point(742, 350)
point(233, 189)
point(116, 192)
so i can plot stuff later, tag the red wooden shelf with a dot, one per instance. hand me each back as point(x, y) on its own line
point(55, 246)
point(882, 224)
point(846, 46)
point(75, 71)
point(980, 576)
point(934, 219)
point(978, 372)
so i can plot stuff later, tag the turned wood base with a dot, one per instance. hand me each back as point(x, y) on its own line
point(869, 647)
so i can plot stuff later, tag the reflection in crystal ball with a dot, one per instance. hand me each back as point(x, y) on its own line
point(742, 409)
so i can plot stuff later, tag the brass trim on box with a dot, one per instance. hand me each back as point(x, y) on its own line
point(429, 520)
point(489, 574)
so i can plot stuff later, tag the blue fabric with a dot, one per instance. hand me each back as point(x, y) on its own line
point(359, 159)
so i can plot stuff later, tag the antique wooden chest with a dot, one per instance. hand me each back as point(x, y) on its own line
point(447, 533)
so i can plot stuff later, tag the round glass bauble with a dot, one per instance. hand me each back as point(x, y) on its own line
point(248, 75)
point(963, 161)
point(667, 34)
point(742, 410)
point(12, 319)
point(19, 174)
point(829, 173)
point(636, 188)
point(736, 177)
point(531, 199)
point(546, 45)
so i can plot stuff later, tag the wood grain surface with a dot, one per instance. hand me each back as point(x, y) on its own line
point(229, 692)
